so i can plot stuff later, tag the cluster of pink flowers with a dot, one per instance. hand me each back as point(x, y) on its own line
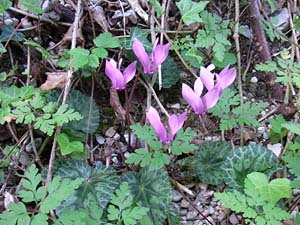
point(213, 82)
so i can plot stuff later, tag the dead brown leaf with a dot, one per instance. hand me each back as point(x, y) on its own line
point(55, 80)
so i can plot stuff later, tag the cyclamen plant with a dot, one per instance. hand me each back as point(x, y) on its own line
point(150, 62)
point(214, 89)
point(175, 123)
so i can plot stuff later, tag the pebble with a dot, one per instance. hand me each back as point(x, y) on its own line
point(233, 219)
point(266, 135)
point(100, 139)
point(175, 106)
point(211, 220)
point(176, 196)
point(183, 212)
point(211, 210)
point(126, 155)
point(191, 214)
point(261, 130)
point(281, 20)
point(253, 79)
point(184, 203)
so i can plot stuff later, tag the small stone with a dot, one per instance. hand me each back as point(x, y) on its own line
point(191, 214)
point(211, 210)
point(281, 20)
point(253, 79)
point(117, 137)
point(176, 196)
point(175, 106)
point(198, 222)
point(233, 219)
point(110, 132)
point(8, 21)
point(183, 212)
point(205, 212)
point(261, 130)
point(265, 135)
point(276, 148)
point(115, 160)
point(126, 155)
point(184, 204)
point(245, 31)
point(100, 139)
point(211, 220)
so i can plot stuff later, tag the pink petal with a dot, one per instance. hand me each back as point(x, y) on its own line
point(211, 67)
point(154, 119)
point(141, 54)
point(175, 123)
point(114, 75)
point(211, 98)
point(193, 99)
point(198, 86)
point(226, 77)
point(160, 53)
point(207, 78)
point(129, 72)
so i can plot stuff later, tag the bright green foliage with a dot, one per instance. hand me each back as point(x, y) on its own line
point(214, 36)
point(4, 4)
point(277, 131)
point(292, 127)
point(86, 106)
point(286, 70)
point(190, 10)
point(36, 45)
point(157, 6)
point(272, 32)
point(258, 202)
point(207, 161)
point(59, 189)
point(122, 209)
point(100, 183)
point(67, 146)
point(33, 5)
point(232, 114)
point(72, 217)
point(81, 57)
point(31, 192)
point(292, 159)
point(155, 160)
point(182, 142)
point(247, 159)
point(103, 41)
point(151, 189)
point(28, 106)
point(17, 215)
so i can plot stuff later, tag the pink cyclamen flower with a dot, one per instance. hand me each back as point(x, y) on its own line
point(150, 62)
point(214, 90)
point(175, 123)
point(119, 79)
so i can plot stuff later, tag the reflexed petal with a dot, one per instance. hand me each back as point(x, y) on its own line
point(226, 77)
point(160, 53)
point(207, 78)
point(154, 119)
point(114, 75)
point(141, 54)
point(129, 72)
point(175, 123)
point(211, 98)
point(211, 67)
point(193, 99)
point(198, 86)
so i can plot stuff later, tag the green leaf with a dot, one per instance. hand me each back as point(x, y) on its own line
point(17, 215)
point(182, 143)
point(45, 124)
point(157, 6)
point(100, 52)
point(9, 95)
point(72, 217)
point(7, 31)
point(190, 10)
point(292, 127)
point(151, 189)
point(86, 107)
point(106, 40)
point(244, 160)
point(59, 190)
point(219, 51)
point(66, 146)
point(272, 192)
point(141, 35)
point(31, 192)
point(64, 115)
point(170, 73)
point(208, 160)
point(204, 40)
point(39, 219)
point(4, 5)
point(79, 57)
point(99, 184)
point(292, 161)
point(32, 5)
